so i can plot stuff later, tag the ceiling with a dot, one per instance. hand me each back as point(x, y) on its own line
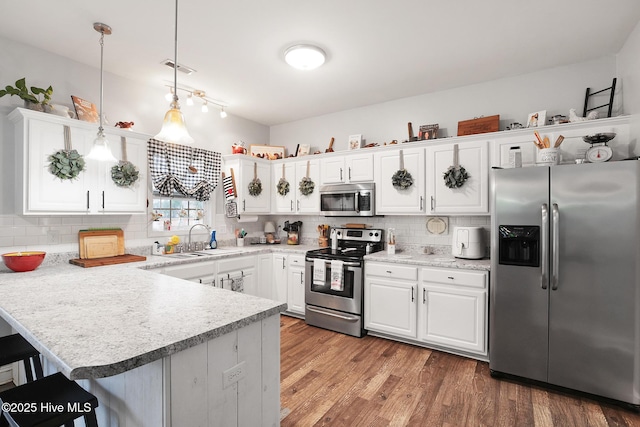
point(378, 50)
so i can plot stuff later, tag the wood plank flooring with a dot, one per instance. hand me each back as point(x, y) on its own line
point(331, 379)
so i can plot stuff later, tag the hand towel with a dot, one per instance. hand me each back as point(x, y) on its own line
point(237, 284)
point(337, 283)
point(319, 272)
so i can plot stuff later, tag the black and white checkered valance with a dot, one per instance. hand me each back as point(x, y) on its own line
point(189, 171)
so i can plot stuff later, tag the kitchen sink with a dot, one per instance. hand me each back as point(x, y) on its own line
point(206, 253)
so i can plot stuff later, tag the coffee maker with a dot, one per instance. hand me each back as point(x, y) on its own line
point(293, 230)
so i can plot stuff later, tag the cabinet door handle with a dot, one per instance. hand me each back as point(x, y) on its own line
point(283, 266)
point(389, 271)
point(349, 173)
point(102, 199)
point(424, 295)
point(432, 203)
point(421, 200)
point(412, 296)
point(301, 281)
point(340, 174)
point(244, 205)
point(87, 199)
point(291, 205)
point(298, 204)
point(450, 277)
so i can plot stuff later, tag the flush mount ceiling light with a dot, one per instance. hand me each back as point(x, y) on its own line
point(100, 150)
point(304, 56)
point(174, 129)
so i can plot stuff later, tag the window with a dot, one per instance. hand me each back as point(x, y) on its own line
point(177, 213)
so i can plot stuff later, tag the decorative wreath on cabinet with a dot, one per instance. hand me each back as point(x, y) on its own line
point(402, 179)
point(306, 186)
point(66, 164)
point(283, 187)
point(455, 177)
point(255, 187)
point(124, 174)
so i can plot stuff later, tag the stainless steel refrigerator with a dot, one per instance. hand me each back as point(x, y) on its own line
point(565, 269)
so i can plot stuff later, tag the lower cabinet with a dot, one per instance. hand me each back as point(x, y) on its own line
point(441, 307)
point(200, 272)
point(295, 282)
point(238, 274)
point(279, 277)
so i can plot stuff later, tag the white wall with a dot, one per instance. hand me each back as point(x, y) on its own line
point(124, 100)
point(629, 72)
point(555, 90)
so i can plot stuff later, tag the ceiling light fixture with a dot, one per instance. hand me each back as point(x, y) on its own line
point(223, 113)
point(174, 129)
point(205, 108)
point(100, 150)
point(190, 99)
point(304, 56)
point(193, 94)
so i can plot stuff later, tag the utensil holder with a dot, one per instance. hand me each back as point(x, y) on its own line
point(391, 249)
point(548, 156)
point(240, 241)
point(323, 242)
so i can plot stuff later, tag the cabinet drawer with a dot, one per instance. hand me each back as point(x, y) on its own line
point(190, 271)
point(393, 271)
point(473, 279)
point(236, 263)
point(296, 260)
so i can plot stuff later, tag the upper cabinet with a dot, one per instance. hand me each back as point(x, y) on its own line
point(93, 191)
point(472, 197)
point(246, 171)
point(394, 199)
point(294, 201)
point(347, 169)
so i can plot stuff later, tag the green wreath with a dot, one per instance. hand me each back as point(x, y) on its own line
point(306, 186)
point(402, 179)
point(455, 177)
point(124, 174)
point(66, 164)
point(283, 187)
point(255, 187)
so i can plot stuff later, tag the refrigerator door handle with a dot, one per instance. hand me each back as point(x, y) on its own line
point(544, 246)
point(555, 228)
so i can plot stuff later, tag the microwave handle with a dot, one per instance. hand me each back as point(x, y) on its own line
point(357, 202)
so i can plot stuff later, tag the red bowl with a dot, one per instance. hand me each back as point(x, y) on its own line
point(23, 261)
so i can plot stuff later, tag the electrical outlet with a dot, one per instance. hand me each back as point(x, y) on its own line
point(233, 375)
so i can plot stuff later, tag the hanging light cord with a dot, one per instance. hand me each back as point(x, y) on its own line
point(174, 104)
point(101, 129)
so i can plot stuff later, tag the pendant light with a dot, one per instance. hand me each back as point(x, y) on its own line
point(100, 150)
point(174, 129)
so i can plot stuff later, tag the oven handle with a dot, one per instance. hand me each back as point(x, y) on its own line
point(326, 313)
point(346, 263)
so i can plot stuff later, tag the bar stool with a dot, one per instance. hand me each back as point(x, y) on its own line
point(57, 401)
point(14, 348)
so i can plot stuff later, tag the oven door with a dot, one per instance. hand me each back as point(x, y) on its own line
point(349, 299)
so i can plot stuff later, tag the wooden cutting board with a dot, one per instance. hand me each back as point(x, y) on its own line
point(119, 259)
point(100, 243)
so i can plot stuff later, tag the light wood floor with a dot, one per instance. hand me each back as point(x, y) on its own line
point(331, 379)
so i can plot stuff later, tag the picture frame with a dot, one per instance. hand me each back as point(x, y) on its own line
point(85, 110)
point(270, 152)
point(355, 142)
point(303, 150)
point(428, 131)
point(537, 119)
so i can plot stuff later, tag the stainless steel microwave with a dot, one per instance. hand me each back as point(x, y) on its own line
point(348, 199)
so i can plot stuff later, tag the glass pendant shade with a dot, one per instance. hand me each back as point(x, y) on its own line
point(174, 129)
point(100, 150)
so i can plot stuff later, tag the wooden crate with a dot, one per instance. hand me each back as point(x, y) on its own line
point(481, 125)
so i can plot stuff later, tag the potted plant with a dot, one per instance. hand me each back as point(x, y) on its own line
point(31, 96)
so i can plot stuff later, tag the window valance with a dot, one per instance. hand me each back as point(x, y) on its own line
point(189, 171)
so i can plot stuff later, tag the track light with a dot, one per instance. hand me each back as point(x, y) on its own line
point(195, 94)
point(205, 108)
point(223, 113)
point(169, 95)
point(190, 100)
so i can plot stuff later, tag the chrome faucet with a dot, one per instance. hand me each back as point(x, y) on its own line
point(191, 229)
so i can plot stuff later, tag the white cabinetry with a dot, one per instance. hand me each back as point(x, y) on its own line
point(453, 309)
point(200, 272)
point(294, 201)
point(38, 135)
point(346, 169)
point(280, 278)
point(295, 292)
point(392, 200)
point(245, 169)
point(263, 276)
point(390, 299)
point(238, 274)
point(473, 196)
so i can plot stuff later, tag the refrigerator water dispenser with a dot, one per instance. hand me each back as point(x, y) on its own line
point(519, 245)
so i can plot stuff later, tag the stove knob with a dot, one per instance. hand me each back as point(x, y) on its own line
point(370, 234)
point(376, 234)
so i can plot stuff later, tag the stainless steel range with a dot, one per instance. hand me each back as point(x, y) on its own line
point(334, 280)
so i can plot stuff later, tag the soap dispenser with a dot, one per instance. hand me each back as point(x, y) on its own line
point(213, 244)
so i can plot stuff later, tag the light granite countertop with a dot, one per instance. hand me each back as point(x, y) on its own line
point(438, 260)
point(102, 321)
